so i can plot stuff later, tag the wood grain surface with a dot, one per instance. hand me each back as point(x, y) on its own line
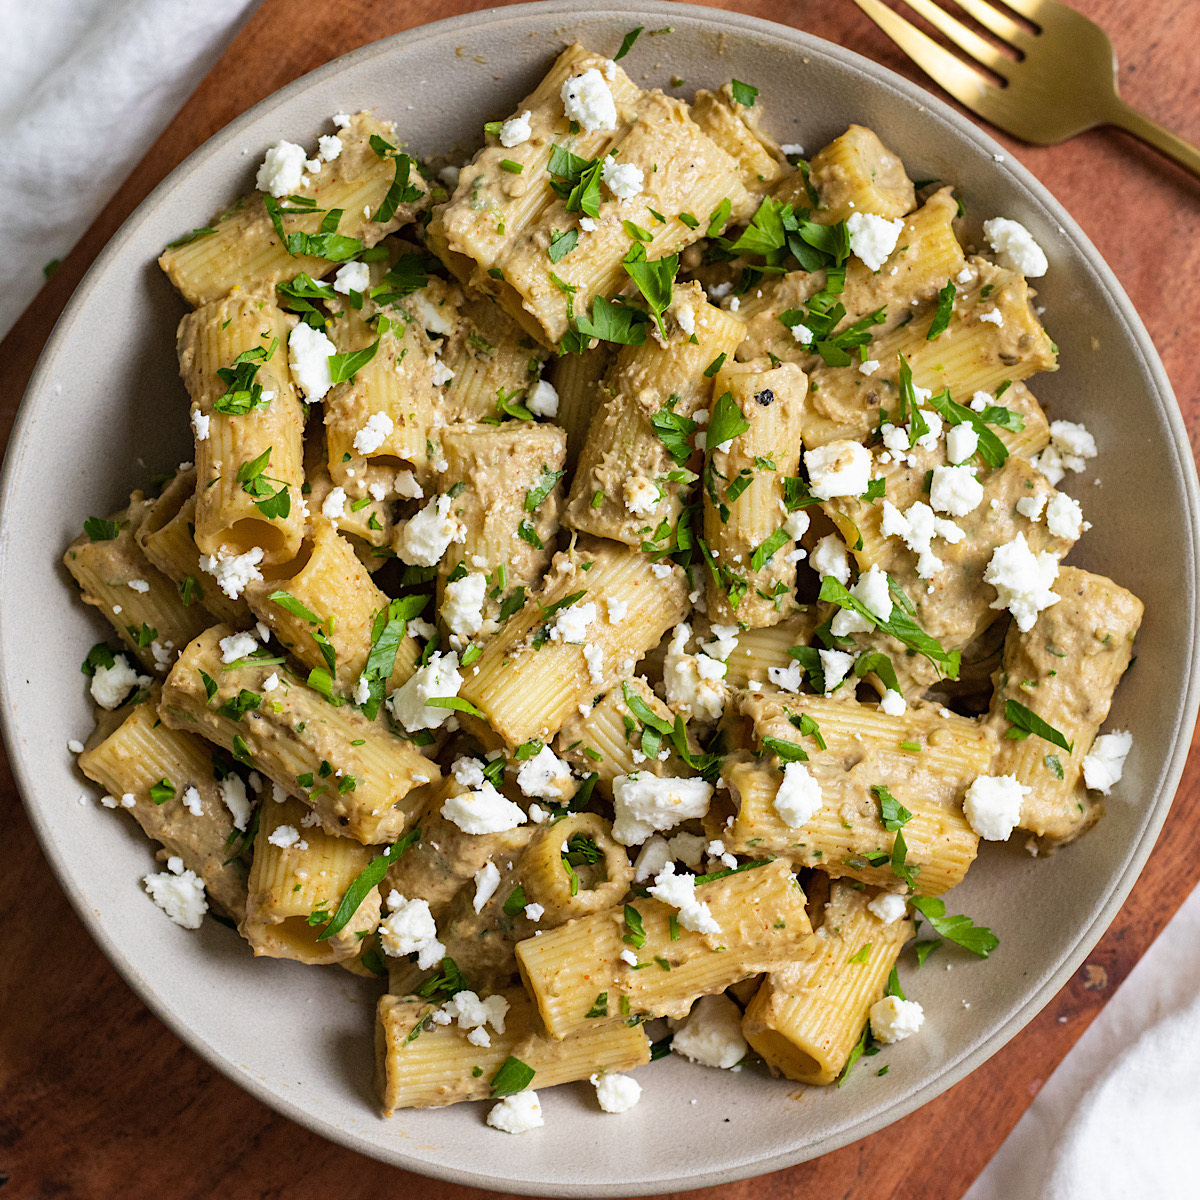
point(98, 1100)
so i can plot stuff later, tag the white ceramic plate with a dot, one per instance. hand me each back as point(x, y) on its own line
point(106, 410)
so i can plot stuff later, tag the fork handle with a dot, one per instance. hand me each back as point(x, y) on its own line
point(1151, 132)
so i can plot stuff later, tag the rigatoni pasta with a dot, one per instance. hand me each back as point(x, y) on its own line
point(623, 583)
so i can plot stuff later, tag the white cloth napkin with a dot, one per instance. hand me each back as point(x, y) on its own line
point(85, 87)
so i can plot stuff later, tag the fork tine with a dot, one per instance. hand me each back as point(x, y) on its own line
point(1033, 9)
point(990, 17)
point(964, 83)
point(965, 39)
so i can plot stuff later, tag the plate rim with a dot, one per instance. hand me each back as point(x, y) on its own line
point(1105, 282)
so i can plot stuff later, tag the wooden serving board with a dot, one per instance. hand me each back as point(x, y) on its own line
point(98, 1099)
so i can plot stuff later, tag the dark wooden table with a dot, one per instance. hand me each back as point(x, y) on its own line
point(98, 1100)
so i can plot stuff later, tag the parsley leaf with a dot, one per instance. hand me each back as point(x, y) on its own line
point(535, 496)
point(655, 280)
point(512, 1077)
point(726, 423)
point(369, 878)
point(343, 367)
point(945, 307)
point(1025, 721)
point(627, 43)
point(743, 93)
point(960, 930)
point(99, 530)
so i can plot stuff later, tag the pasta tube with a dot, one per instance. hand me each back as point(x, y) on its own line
point(762, 926)
point(420, 1064)
point(361, 781)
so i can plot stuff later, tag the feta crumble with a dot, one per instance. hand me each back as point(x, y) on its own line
point(841, 468)
point(352, 277)
point(586, 98)
point(873, 238)
point(238, 645)
point(962, 441)
point(517, 1114)
point(829, 558)
point(694, 683)
point(407, 487)
point(641, 496)
point(516, 131)
point(309, 351)
point(992, 805)
point(893, 703)
point(571, 624)
point(799, 797)
point(643, 803)
point(1064, 517)
point(482, 809)
point(893, 1019)
point(888, 907)
point(200, 424)
point(409, 928)
point(616, 1093)
point(544, 776)
point(542, 399)
point(1023, 580)
point(110, 685)
point(427, 536)
point(955, 490)
point(438, 678)
point(712, 1033)
point(282, 169)
point(487, 880)
point(1105, 762)
point(462, 606)
point(624, 180)
point(233, 571)
point(179, 893)
point(873, 593)
point(679, 891)
point(835, 665)
point(374, 433)
point(284, 836)
point(334, 505)
point(1015, 248)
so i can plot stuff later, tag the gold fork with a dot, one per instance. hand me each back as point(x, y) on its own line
point(1063, 82)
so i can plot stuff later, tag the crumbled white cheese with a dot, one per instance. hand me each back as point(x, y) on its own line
point(571, 624)
point(955, 490)
point(334, 505)
point(1105, 762)
point(869, 366)
point(888, 907)
point(1070, 446)
point(961, 442)
point(643, 803)
point(352, 277)
point(542, 399)
point(487, 880)
point(587, 99)
point(893, 703)
point(873, 593)
point(110, 685)
point(616, 1093)
point(75, 746)
point(534, 912)
point(473, 1012)
point(624, 180)
point(679, 891)
point(1064, 517)
point(694, 683)
point(654, 855)
point(448, 175)
point(191, 801)
point(516, 130)
point(462, 607)
point(200, 424)
point(179, 893)
point(829, 558)
point(482, 810)
point(712, 1033)
point(802, 333)
point(271, 682)
point(233, 794)
point(1031, 506)
point(407, 487)
point(440, 374)
point(233, 571)
point(835, 665)
point(309, 351)
point(517, 1114)
point(840, 468)
point(284, 836)
point(409, 928)
point(238, 645)
point(544, 776)
point(438, 678)
point(873, 238)
point(594, 656)
point(329, 146)
point(426, 537)
point(282, 169)
point(341, 120)
point(1023, 580)
point(893, 1019)
point(799, 797)
point(1015, 248)
point(374, 433)
point(992, 805)
point(617, 610)
point(787, 678)
point(588, 224)
point(993, 315)
point(917, 526)
point(641, 496)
